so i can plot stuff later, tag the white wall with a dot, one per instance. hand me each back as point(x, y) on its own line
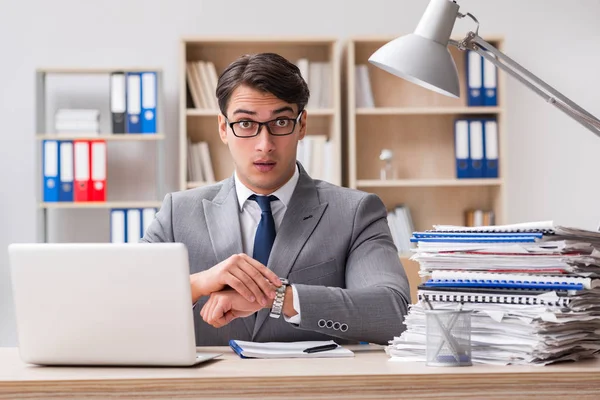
point(552, 172)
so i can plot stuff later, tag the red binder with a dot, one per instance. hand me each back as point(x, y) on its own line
point(98, 170)
point(81, 163)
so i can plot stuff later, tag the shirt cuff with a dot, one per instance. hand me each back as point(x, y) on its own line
point(296, 318)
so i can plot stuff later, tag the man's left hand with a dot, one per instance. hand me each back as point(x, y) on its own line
point(225, 306)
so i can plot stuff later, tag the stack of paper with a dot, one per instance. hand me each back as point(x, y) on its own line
point(533, 290)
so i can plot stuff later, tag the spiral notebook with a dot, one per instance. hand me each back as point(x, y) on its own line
point(545, 227)
point(502, 283)
point(546, 299)
point(570, 282)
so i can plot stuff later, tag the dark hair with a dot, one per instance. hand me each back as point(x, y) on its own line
point(267, 72)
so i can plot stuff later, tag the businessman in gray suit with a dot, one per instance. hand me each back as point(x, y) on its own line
point(275, 255)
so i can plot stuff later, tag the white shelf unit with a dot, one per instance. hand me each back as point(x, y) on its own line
point(44, 133)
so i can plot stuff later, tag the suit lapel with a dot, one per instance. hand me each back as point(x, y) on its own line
point(300, 220)
point(222, 219)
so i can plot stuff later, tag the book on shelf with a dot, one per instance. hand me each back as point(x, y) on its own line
point(202, 78)
point(362, 86)
point(315, 153)
point(401, 227)
point(199, 163)
point(478, 217)
point(318, 76)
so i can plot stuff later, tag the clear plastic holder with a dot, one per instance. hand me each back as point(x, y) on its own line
point(448, 338)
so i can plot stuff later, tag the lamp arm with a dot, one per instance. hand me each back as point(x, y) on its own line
point(474, 42)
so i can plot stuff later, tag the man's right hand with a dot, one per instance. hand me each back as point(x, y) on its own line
point(242, 273)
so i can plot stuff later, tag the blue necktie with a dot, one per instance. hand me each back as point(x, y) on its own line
point(265, 233)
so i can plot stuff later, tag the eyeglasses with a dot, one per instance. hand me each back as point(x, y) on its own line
point(247, 128)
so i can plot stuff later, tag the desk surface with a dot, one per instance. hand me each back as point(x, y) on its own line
point(370, 374)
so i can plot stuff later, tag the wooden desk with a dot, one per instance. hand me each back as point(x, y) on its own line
point(368, 375)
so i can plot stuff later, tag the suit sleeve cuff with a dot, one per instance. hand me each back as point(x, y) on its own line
point(296, 318)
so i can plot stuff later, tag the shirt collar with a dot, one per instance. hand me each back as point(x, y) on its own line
point(284, 193)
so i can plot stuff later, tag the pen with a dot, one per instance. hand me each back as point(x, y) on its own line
point(321, 348)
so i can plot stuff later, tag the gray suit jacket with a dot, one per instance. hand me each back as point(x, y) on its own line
point(334, 245)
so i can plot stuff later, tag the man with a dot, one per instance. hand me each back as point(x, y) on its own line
point(270, 222)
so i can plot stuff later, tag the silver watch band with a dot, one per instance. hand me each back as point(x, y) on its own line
point(277, 307)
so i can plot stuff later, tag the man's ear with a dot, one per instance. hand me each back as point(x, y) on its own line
point(222, 128)
point(302, 121)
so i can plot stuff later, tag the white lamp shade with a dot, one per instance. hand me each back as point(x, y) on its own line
point(419, 60)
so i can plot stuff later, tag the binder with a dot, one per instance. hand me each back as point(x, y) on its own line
point(149, 102)
point(419, 235)
point(461, 148)
point(51, 170)
point(476, 145)
point(118, 225)
point(148, 215)
point(491, 148)
point(65, 155)
point(134, 225)
point(81, 160)
point(98, 170)
point(118, 99)
point(465, 297)
point(503, 283)
point(490, 83)
point(587, 283)
point(479, 239)
point(134, 102)
point(474, 78)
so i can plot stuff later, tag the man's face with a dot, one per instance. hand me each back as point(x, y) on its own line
point(264, 162)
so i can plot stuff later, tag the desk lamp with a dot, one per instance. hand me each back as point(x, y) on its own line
point(423, 58)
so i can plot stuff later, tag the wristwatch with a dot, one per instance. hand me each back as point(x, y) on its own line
point(277, 306)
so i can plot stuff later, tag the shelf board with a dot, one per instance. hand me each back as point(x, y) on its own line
point(428, 182)
point(109, 137)
point(102, 204)
point(427, 110)
point(83, 71)
point(199, 112)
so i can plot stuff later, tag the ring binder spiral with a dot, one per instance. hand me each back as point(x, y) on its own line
point(500, 299)
point(502, 283)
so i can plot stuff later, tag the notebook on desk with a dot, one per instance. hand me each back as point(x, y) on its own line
point(288, 349)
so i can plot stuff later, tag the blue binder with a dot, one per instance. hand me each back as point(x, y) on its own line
point(476, 148)
point(149, 102)
point(491, 148)
point(474, 71)
point(438, 234)
point(495, 283)
point(65, 157)
point(490, 84)
point(118, 225)
point(461, 148)
point(50, 170)
point(134, 102)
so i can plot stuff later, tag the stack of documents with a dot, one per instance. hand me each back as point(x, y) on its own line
point(77, 121)
point(533, 289)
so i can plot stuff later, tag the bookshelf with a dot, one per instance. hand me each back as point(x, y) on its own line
point(199, 124)
point(46, 131)
point(418, 126)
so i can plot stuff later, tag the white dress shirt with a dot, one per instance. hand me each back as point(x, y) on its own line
point(250, 218)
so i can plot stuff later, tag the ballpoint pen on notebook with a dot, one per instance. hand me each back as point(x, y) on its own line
point(321, 348)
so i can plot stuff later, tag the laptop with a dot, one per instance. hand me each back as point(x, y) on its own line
point(104, 304)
